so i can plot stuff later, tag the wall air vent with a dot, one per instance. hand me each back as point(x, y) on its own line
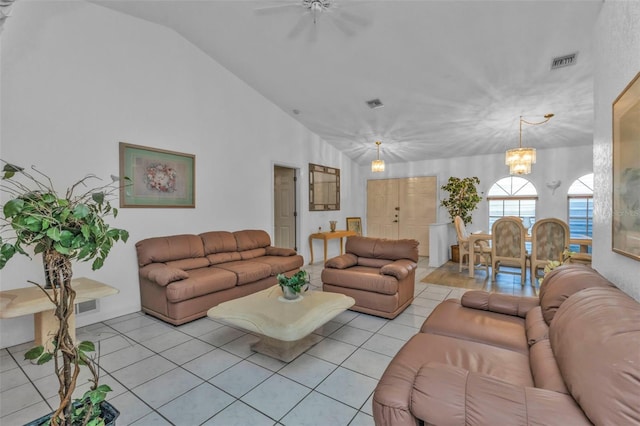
point(83, 307)
point(375, 103)
point(564, 61)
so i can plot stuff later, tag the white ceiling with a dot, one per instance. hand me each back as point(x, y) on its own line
point(454, 76)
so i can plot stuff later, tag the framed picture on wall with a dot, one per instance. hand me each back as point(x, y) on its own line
point(354, 224)
point(626, 171)
point(158, 178)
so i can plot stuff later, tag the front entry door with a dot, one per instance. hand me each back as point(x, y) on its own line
point(284, 207)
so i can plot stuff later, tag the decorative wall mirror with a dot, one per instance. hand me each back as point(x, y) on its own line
point(324, 188)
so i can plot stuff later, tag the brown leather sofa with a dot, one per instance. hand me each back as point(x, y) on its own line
point(569, 357)
point(182, 276)
point(379, 274)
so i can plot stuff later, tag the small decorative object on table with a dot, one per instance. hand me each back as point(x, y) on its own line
point(332, 225)
point(553, 264)
point(294, 285)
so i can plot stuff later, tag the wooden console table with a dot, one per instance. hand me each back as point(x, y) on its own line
point(31, 300)
point(325, 236)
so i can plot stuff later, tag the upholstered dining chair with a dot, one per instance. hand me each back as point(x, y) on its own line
point(549, 239)
point(507, 248)
point(481, 247)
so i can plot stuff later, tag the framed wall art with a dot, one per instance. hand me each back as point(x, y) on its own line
point(158, 178)
point(354, 224)
point(626, 171)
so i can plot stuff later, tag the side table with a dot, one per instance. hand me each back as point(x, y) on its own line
point(325, 236)
point(31, 300)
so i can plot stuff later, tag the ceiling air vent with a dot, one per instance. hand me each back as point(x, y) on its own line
point(564, 61)
point(375, 103)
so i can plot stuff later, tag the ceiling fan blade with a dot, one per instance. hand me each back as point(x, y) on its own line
point(276, 8)
point(297, 29)
point(351, 17)
point(341, 25)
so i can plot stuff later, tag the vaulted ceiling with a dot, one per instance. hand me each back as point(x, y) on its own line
point(454, 76)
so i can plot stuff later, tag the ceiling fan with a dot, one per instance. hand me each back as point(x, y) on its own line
point(313, 10)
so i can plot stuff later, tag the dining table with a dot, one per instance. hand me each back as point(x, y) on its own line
point(583, 241)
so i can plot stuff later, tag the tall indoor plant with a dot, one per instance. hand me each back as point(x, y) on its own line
point(462, 201)
point(63, 228)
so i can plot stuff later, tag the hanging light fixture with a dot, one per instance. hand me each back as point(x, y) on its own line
point(520, 159)
point(377, 165)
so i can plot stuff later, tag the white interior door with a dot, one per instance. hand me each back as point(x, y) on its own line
point(382, 208)
point(284, 207)
point(418, 200)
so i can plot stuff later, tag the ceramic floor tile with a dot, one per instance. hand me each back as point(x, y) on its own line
point(427, 303)
point(242, 345)
point(166, 341)
point(17, 398)
point(241, 378)
point(421, 311)
point(345, 317)
point(143, 371)
point(399, 331)
point(368, 406)
point(199, 327)
point(276, 396)
point(368, 322)
point(239, 414)
point(6, 361)
point(196, 406)
point(221, 336)
point(124, 357)
point(369, 363)
point(328, 328)
point(353, 336)
point(26, 415)
point(164, 388)
point(152, 419)
point(113, 344)
point(348, 387)
point(187, 351)
point(308, 370)
point(332, 350)
point(130, 324)
point(131, 408)
point(411, 320)
point(384, 345)
point(208, 365)
point(147, 333)
point(12, 378)
point(362, 419)
point(266, 362)
point(319, 410)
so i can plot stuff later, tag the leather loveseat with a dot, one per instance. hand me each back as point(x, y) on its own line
point(379, 274)
point(569, 357)
point(182, 276)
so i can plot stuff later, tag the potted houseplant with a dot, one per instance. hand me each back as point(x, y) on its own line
point(63, 227)
point(294, 285)
point(462, 201)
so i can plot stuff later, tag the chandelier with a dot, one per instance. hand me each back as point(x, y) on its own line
point(520, 159)
point(377, 165)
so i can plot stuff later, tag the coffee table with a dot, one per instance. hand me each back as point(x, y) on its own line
point(285, 326)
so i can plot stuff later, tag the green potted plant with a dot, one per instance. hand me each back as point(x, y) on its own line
point(63, 228)
point(294, 285)
point(462, 201)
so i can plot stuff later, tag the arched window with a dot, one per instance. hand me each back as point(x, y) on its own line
point(512, 196)
point(580, 197)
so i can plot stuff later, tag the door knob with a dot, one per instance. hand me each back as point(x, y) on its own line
point(395, 221)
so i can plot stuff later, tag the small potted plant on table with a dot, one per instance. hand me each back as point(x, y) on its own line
point(294, 285)
point(63, 228)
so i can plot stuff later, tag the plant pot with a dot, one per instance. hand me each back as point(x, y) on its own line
point(109, 414)
point(455, 253)
point(289, 294)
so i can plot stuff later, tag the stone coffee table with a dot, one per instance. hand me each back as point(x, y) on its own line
point(285, 326)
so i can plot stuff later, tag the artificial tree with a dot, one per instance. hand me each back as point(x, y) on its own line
point(63, 228)
point(463, 197)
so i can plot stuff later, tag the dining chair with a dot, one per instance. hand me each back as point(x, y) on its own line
point(481, 247)
point(508, 246)
point(549, 240)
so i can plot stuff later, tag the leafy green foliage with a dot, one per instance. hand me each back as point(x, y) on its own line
point(296, 282)
point(463, 197)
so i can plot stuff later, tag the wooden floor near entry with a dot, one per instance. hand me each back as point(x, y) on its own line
point(448, 275)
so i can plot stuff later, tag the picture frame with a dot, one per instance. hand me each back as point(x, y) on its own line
point(625, 221)
point(157, 178)
point(354, 224)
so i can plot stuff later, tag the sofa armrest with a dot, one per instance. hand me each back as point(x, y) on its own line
point(399, 269)
point(443, 394)
point(279, 251)
point(500, 303)
point(162, 274)
point(343, 261)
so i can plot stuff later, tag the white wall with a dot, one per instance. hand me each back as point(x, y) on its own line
point(617, 48)
point(77, 78)
point(563, 164)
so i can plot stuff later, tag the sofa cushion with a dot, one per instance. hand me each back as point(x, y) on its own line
point(280, 265)
point(279, 251)
point(545, 371)
point(536, 328)
point(361, 278)
point(217, 258)
point(595, 336)
point(164, 249)
point(378, 248)
point(344, 261)
point(200, 282)
point(246, 271)
point(187, 264)
point(251, 239)
point(253, 253)
point(564, 281)
point(373, 263)
point(162, 274)
point(452, 319)
point(218, 242)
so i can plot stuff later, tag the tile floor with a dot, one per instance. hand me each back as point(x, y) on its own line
point(203, 373)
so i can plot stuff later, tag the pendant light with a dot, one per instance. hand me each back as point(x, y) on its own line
point(377, 165)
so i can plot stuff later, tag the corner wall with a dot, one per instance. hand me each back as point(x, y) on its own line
point(617, 59)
